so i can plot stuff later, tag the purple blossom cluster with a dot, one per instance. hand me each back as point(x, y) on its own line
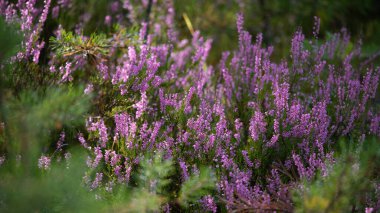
point(261, 124)
point(44, 162)
point(32, 21)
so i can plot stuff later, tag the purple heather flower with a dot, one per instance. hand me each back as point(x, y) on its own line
point(98, 180)
point(108, 20)
point(89, 88)
point(166, 208)
point(240, 22)
point(226, 161)
point(297, 43)
point(317, 23)
point(141, 105)
point(103, 68)
point(98, 157)
point(185, 174)
point(115, 158)
point(238, 127)
point(156, 129)
point(273, 140)
point(82, 140)
point(274, 181)
point(44, 162)
point(246, 158)
point(107, 155)
point(109, 186)
point(211, 142)
point(61, 141)
point(66, 71)
point(375, 125)
point(143, 31)
point(55, 12)
point(128, 170)
point(122, 127)
point(276, 126)
point(101, 128)
point(281, 94)
point(257, 125)
point(187, 100)
point(321, 121)
point(209, 204)
point(67, 156)
point(45, 11)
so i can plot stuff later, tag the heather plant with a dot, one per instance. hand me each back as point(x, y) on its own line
point(156, 119)
point(351, 184)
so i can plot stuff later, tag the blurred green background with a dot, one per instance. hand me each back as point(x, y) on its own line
point(279, 19)
point(216, 19)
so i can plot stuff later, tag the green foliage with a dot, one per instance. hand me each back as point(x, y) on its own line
point(69, 44)
point(56, 106)
point(144, 201)
point(10, 38)
point(347, 184)
point(153, 187)
point(31, 116)
point(57, 190)
point(155, 174)
point(196, 186)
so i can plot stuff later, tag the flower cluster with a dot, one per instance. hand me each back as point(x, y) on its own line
point(261, 125)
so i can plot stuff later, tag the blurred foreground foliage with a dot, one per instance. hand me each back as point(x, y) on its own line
point(348, 186)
